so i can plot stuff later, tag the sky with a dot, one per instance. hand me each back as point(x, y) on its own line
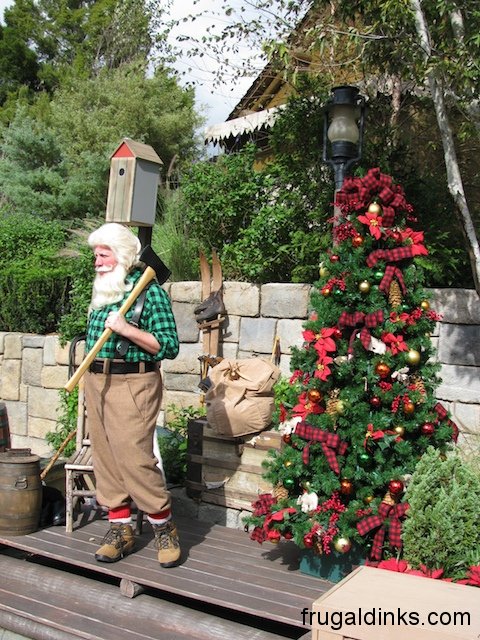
point(215, 103)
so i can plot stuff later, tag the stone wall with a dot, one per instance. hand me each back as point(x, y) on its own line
point(33, 368)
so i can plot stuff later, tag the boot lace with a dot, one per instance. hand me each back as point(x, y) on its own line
point(164, 537)
point(113, 536)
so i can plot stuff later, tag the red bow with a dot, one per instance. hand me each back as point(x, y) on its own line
point(392, 272)
point(331, 444)
point(386, 513)
point(372, 435)
point(260, 534)
point(443, 416)
point(389, 255)
point(369, 320)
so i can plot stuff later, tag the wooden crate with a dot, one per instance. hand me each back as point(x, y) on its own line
point(375, 604)
point(227, 471)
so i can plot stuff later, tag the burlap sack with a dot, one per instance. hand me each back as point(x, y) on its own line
point(240, 400)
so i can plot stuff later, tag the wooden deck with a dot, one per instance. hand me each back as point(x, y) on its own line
point(222, 572)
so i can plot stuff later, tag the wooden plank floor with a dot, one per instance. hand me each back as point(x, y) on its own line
point(220, 566)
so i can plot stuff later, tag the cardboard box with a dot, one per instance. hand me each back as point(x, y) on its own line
point(375, 604)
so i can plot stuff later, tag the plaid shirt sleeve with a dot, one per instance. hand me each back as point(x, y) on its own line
point(157, 318)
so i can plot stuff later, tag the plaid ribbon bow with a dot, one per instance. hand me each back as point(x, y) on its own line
point(387, 514)
point(392, 272)
point(442, 414)
point(260, 534)
point(330, 442)
point(369, 320)
point(389, 255)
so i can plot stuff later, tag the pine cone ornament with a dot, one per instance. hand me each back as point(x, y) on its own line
point(419, 386)
point(395, 294)
point(388, 499)
point(331, 403)
point(280, 492)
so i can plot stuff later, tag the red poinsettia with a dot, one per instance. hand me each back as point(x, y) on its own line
point(414, 239)
point(394, 343)
point(305, 407)
point(473, 576)
point(374, 222)
point(322, 342)
point(322, 370)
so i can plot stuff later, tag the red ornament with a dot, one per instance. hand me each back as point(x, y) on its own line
point(375, 402)
point(337, 334)
point(408, 408)
point(357, 241)
point(397, 236)
point(334, 257)
point(314, 395)
point(382, 369)
point(427, 429)
point(273, 536)
point(395, 487)
point(287, 438)
point(288, 535)
point(308, 540)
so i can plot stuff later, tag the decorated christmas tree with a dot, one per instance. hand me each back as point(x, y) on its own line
point(359, 408)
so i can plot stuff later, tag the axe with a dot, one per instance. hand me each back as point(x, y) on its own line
point(155, 268)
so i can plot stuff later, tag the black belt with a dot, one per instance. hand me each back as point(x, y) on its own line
point(109, 366)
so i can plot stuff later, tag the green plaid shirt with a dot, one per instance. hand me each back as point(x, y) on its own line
point(157, 318)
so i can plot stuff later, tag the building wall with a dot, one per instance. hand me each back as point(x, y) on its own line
point(34, 368)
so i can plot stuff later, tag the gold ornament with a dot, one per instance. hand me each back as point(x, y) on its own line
point(342, 544)
point(413, 356)
point(382, 369)
point(408, 408)
point(326, 292)
point(399, 430)
point(368, 499)
point(287, 464)
point(357, 241)
point(280, 492)
point(331, 404)
point(374, 207)
point(425, 305)
point(323, 272)
point(389, 499)
point(314, 395)
point(394, 294)
point(346, 487)
point(364, 286)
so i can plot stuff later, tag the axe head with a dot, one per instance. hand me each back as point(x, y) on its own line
point(150, 258)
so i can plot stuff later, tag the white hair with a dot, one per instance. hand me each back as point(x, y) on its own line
point(124, 244)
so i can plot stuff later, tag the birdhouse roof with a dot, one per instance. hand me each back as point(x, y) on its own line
point(129, 148)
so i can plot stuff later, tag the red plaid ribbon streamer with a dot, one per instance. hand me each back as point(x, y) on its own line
point(330, 442)
point(392, 272)
point(389, 255)
point(262, 506)
point(390, 514)
point(260, 534)
point(369, 320)
point(442, 414)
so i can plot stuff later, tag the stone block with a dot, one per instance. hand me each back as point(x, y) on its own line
point(466, 416)
point(54, 377)
point(285, 361)
point(2, 341)
point(181, 399)
point(459, 344)
point(290, 334)
point(17, 417)
point(231, 329)
point(241, 299)
point(13, 346)
point(182, 381)
point(43, 403)
point(458, 306)
point(33, 341)
point(49, 350)
point(187, 327)
point(257, 334)
point(10, 382)
point(62, 353)
point(39, 427)
point(38, 446)
point(230, 350)
point(186, 361)
point(459, 383)
point(188, 291)
point(284, 300)
point(32, 363)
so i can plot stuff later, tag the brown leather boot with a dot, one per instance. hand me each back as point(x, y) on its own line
point(167, 544)
point(119, 541)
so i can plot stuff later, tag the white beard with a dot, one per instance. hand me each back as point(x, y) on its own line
point(109, 287)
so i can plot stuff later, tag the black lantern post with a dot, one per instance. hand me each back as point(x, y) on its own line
point(343, 130)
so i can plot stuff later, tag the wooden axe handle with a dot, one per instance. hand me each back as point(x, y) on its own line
point(147, 276)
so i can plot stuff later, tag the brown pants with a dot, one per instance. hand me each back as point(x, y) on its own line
point(122, 411)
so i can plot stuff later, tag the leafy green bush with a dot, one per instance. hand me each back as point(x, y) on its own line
point(66, 423)
point(441, 529)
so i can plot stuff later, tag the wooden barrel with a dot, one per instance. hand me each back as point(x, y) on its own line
point(20, 492)
point(4, 428)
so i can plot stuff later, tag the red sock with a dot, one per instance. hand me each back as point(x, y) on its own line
point(163, 515)
point(119, 513)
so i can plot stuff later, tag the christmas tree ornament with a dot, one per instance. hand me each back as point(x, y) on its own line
point(289, 483)
point(408, 408)
point(357, 241)
point(337, 334)
point(425, 305)
point(389, 499)
point(280, 492)
point(396, 236)
point(323, 271)
point(419, 386)
point(331, 404)
point(273, 536)
point(364, 286)
point(334, 257)
point(396, 487)
point(287, 464)
point(342, 544)
point(326, 291)
point(314, 395)
point(428, 429)
point(399, 430)
point(382, 369)
point(287, 438)
point(375, 402)
point(375, 208)
point(306, 485)
point(394, 294)
point(413, 356)
point(338, 293)
point(288, 535)
point(378, 276)
point(364, 459)
point(346, 487)
point(368, 499)
point(341, 407)
point(308, 540)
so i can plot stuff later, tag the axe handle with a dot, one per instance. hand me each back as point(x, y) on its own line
point(147, 276)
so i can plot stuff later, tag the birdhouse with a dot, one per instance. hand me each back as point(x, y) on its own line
point(133, 185)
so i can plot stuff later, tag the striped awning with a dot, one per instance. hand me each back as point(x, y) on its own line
point(221, 132)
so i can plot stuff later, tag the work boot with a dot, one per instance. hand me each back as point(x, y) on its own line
point(167, 543)
point(118, 542)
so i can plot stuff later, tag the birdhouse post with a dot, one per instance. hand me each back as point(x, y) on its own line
point(133, 185)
